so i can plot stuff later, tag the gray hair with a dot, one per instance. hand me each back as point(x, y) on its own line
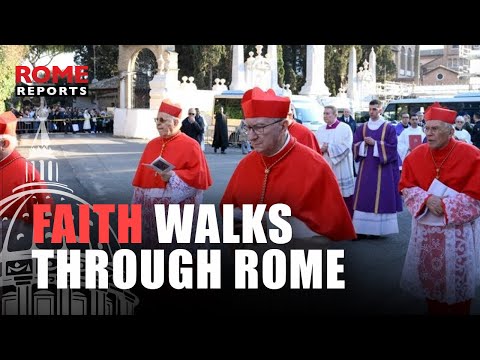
point(334, 109)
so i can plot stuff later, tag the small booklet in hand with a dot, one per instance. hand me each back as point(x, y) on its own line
point(160, 165)
point(414, 141)
point(439, 189)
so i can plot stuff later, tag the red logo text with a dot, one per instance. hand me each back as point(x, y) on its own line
point(42, 74)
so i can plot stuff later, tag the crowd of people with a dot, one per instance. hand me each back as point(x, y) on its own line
point(372, 170)
point(68, 120)
point(345, 182)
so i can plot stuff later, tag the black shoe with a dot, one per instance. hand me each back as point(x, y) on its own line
point(215, 151)
point(223, 152)
point(361, 237)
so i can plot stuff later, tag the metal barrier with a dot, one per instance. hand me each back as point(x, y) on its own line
point(27, 125)
point(30, 125)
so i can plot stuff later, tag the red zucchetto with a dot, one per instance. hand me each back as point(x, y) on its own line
point(8, 123)
point(170, 108)
point(437, 112)
point(259, 103)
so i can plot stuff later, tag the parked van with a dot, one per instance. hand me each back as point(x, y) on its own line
point(305, 109)
point(308, 111)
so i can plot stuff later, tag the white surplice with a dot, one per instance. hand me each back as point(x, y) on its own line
point(443, 262)
point(403, 145)
point(339, 154)
point(176, 192)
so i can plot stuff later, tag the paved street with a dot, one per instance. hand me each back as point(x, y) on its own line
point(100, 168)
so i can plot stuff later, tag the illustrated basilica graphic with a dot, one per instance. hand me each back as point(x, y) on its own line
point(18, 272)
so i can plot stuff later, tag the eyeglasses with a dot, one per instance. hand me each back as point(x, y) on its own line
point(159, 120)
point(431, 128)
point(259, 129)
point(191, 113)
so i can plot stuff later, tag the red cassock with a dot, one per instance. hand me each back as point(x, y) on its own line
point(303, 180)
point(184, 153)
point(304, 136)
point(459, 171)
point(442, 261)
point(12, 175)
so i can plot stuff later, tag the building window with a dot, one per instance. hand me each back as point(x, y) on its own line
point(455, 46)
point(410, 60)
point(403, 57)
point(455, 63)
point(439, 76)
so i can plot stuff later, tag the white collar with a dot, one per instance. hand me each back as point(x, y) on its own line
point(285, 144)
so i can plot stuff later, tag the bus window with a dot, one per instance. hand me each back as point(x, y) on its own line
point(390, 112)
point(462, 105)
point(361, 116)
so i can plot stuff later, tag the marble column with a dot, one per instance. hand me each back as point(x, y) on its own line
point(273, 59)
point(352, 75)
point(315, 82)
point(238, 69)
point(123, 95)
point(372, 59)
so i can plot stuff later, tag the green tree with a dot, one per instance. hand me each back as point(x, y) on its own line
point(336, 66)
point(252, 48)
point(337, 57)
point(202, 62)
point(385, 64)
point(47, 52)
point(105, 65)
point(10, 56)
point(186, 60)
point(294, 59)
point(209, 57)
point(280, 65)
point(224, 68)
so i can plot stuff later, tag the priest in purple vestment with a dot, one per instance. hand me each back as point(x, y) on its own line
point(376, 198)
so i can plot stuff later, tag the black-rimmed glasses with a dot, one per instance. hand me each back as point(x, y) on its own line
point(259, 129)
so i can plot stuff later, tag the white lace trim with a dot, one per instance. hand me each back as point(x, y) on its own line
point(375, 224)
point(176, 192)
point(443, 263)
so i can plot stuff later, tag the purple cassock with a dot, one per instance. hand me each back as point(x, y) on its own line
point(376, 189)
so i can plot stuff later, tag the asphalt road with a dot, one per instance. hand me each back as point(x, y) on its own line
point(99, 168)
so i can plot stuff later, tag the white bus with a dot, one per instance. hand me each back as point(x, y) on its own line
point(464, 103)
